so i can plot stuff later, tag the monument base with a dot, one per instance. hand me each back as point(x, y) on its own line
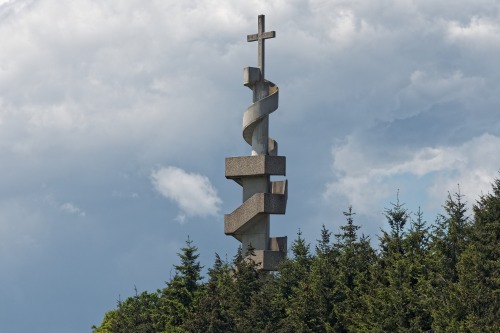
point(268, 260)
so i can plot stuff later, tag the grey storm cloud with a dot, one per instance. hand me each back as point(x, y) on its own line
point(375, 96)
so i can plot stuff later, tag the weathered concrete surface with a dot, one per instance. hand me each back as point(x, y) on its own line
point(250, 223)
point(243, 217)
point(268, 260)
point(278, 244)
point(260, 165)
point(257, 113)
point(257, 235)
point(280, 187)
point(251, 75)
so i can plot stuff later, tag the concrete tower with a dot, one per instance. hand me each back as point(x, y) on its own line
point(250, 222)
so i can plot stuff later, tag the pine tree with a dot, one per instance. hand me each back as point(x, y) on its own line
point(302, 310)
point(446, 281)
point(210, 314)
point(451, 234)
point(394, 304)
point(136, 314)
point(107, 323)
point(350, 230)
point(448, 241)
point(265, 312)
point(182, 292)
point(416, 248)
point(292, 292)
point(478, 267)
point(294, 270)
point(322, 279)
point(352, 278)
point(245, 284)
point(346, 244)
point(391, 243)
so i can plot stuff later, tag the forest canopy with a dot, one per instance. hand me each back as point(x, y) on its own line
point(438, 277)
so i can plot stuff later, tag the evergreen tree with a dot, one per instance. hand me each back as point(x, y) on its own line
point(451, 235)
point(322, 279)
point(265, 312)
point(347, 245)
point(388, 302)
point(293, 270)
point(293, 293)
point(349, 236)
point(394, 305)
point(478, 267)
point(107, 323)
point(302, 310)
point(210, 314)
point(416, 248)
point(448, 240)
point(391, 242)
point(181, 294)
point(446, 281)
point(245, 284)
point(352, 278)
point(136, 314)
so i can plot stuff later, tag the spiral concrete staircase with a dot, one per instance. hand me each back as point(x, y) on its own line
point(250, 222)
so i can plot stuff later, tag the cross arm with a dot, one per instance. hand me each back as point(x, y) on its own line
point(265, 35)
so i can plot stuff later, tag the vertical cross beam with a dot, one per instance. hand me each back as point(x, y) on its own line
point(261, 36)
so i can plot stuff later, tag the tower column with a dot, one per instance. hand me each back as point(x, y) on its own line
point(250, 223)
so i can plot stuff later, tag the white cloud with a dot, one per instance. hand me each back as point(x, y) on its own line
point(477, 30)
point(475, 164)
point(93, 89)
point(193, 193)
point(425, 90)
point(67, 207)
point(106, 75)
point(367, 180)
point(71, 208)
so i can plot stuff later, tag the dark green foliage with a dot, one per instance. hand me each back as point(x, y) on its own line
point(296, 312)
point(162, 311)
point(322, 279)
point(293, 270)
point(210, 315)
point(136, 314)
point(478, 267)
point(353, 274)
point(178, 299)
point(388, 303)
point(451, 235)
point(448, 241)
point(420, 278)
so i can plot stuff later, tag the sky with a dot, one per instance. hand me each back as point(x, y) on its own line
point(116, 117)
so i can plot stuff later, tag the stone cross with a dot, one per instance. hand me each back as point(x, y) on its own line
point(261, 36)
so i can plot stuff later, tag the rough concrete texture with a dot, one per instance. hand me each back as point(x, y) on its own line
point(259, 110)
point(278, 244)
point(268, 260)
point(280, 187)
point(257, 235)
point(251, 76)
point(250, 223)
point(260, 165)
point(243, 217)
